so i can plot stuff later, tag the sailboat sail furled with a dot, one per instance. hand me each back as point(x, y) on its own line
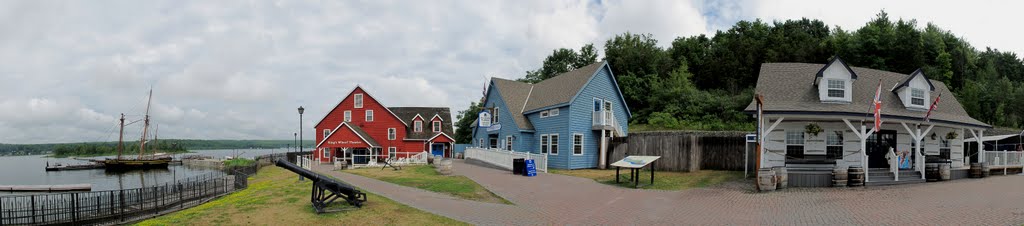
point(142, 161)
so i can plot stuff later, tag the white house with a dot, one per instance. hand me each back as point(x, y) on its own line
point(838, 99)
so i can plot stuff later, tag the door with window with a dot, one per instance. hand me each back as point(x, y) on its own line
point(437, 150)
point(878, 145)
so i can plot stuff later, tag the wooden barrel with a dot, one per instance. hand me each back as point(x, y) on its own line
point(839, 176)
point(944, 169)
point(986, 169)
point(766, 179)
point(975, 170)
point(856, 176)
point(781, 177)
point(931, 172)
point(444, 166)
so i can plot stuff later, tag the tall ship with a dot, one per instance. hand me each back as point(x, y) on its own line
point(142, 161)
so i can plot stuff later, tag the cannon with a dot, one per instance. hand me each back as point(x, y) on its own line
point(322, 185)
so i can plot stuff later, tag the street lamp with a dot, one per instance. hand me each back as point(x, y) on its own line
point(299, 148)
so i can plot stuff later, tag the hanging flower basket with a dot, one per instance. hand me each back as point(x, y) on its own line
point(813, 129)
point(934, 136)
point(951, 135)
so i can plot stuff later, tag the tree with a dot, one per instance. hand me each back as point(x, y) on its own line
point(561, 61)
point(464, 123)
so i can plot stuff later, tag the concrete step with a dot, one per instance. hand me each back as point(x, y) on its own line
point(892, 182)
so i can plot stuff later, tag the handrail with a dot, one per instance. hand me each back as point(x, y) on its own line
point(894, 162)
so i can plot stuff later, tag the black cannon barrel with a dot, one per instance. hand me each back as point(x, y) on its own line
point(319, 180)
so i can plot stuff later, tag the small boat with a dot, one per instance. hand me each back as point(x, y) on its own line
point(62, 167)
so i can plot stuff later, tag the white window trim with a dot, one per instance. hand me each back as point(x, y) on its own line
point(495, 143)
point(923, 100)
point(508, 143)
point(358, 100)
point(494, 116)
point(327, 132)
point(392, 134)
point(553, 112)
point(392, 152)
point(828, 88)
point(348, 116)
point(802, 143)
point(369, 115)
point(480, 142)
point(436, 126)
point(543, 114)
point(599, 109)
point(544, 146)
point(574, 144)
point(417, 126)
point(325, 152)
point(553, 144)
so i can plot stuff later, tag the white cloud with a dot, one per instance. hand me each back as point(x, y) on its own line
point(238, 70)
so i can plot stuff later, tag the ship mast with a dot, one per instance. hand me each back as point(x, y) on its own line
point(145, 127)
point(120, 139)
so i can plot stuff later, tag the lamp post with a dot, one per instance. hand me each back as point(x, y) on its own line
point(299, 148)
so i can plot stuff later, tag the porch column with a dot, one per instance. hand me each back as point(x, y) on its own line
point(981, 147)
point(863, 134)
point(604, 151)
point(918, 137)
point(764, 136)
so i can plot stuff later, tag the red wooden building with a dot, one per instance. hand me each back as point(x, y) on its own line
point(360, 130)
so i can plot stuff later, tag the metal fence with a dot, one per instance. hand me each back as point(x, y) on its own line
point(128, 205)
point(503, 158)
point(114, 206)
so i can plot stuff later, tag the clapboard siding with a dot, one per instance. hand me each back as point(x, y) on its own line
point(551, 125)
point(601, 86)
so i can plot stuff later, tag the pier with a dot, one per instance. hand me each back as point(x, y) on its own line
point(46, 188)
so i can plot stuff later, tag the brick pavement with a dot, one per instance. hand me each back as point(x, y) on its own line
point(557, 199)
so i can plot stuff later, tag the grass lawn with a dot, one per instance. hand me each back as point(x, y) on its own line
point(276, 197)
point(662, 180)
point(426, 178)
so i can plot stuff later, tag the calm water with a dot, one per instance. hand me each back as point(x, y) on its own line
point(30, 170)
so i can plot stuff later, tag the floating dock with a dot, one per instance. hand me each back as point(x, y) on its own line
point(46, 188)
point(59, 167)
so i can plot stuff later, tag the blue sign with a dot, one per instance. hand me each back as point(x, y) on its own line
point(484, 119)
point(531, 168)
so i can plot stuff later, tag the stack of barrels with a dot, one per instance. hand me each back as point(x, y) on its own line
point(944, 169)
point(766, 179)
point(985, 169)
point(931, 172)
point(839, 176)
point(979, 170)
point(444, 166)
point(856, 176)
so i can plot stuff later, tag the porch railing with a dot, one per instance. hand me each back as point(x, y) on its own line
point(503, 158)
point(1004, 158)
point(397, 158)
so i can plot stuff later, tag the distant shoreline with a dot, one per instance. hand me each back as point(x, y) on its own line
point(50, 149)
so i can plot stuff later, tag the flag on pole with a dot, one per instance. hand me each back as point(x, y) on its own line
point(935, 104)
point(878, 106)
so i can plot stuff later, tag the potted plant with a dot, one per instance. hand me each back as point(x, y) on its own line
point(934, 136)
point(813, 129)
point(951, 135)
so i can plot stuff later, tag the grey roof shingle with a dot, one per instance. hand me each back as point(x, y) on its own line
point(409, 113)
point(785, 88)
point(359, 131)
point(524, 97)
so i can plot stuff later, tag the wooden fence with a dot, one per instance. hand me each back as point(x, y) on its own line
point(683, 150)
point(128, 205)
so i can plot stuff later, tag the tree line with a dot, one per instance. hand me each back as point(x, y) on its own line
point(704, 83)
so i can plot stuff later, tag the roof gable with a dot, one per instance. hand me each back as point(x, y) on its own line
point(783, 91)
point(915, 74)
point(356, 130)
point(412, 113)
point(366, 95)
point(514, 95)
point(821, 72)
point(562, 88)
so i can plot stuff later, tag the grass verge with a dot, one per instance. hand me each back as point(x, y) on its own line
point(276, 197)
point(239, 162)
point(426, 178)
point(662, 180)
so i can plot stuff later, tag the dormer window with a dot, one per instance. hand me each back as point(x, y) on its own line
point(417, 126)
point(437, 126)
point(917, 96)
point(836, 88)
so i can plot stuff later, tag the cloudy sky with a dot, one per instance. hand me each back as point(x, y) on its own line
point(239, 69)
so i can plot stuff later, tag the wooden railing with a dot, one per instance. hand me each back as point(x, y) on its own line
point(503, 158)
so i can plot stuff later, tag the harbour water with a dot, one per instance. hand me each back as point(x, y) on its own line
point(30, 170)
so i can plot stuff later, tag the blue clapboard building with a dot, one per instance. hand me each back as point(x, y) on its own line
point(567, 117)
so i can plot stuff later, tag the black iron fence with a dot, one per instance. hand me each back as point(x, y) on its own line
point(128, 205)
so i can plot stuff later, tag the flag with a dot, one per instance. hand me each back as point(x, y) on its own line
point(878, 106)
point(932, 108)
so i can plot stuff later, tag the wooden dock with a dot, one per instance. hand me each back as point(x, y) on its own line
point(46, 188)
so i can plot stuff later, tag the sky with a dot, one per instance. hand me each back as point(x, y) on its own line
point(239, 69)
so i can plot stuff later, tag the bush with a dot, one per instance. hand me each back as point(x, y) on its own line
point(663, 120)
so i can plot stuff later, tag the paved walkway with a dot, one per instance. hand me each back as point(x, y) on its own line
point(551, 199)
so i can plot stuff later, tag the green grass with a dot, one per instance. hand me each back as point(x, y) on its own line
point(239, 162)
point(426, 178)
point(662, 180)
point(276, 197)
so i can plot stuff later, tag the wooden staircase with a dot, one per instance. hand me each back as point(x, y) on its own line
point(882, 177)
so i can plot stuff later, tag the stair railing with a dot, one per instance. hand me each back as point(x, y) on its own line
point(894, 164)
